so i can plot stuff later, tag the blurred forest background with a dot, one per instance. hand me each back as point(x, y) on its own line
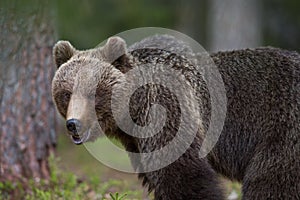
point(270, 22)
point(215, 24)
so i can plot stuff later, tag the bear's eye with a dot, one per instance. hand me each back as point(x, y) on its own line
point(66, 96)
point(62, 99)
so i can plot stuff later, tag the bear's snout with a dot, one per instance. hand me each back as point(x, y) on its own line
point(73, 125)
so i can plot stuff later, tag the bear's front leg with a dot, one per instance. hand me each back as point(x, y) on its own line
point(188, 178)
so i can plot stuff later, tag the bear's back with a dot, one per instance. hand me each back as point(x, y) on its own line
point(263, 108)
point(263, 102)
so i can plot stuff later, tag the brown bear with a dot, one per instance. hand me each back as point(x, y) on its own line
point(260, 140)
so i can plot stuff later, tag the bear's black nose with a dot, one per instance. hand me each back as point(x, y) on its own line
point(73, 125)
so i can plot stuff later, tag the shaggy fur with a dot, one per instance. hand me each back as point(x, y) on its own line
point(260, 142)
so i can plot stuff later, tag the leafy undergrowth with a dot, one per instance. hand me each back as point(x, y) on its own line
point(67, 186)
point(76, 175)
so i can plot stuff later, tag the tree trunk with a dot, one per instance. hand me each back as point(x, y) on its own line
point(234, 24)
point(27, 115)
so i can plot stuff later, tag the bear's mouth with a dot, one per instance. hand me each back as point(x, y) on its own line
point(77, 139)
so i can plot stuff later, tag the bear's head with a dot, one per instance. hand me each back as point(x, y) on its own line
point(82, 87)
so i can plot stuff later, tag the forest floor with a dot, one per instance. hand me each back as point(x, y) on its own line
point(80, 162)
point(77, 175)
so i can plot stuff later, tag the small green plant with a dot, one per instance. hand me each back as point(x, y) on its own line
point(95, 182)
point(6, 188)
point(117, 197)
point(53, 169)
point(67, 186)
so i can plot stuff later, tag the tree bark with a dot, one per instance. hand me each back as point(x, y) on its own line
point(27, 115)
point(234, 24)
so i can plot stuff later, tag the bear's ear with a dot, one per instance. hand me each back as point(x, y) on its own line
point(114, 48)
point(62, 52)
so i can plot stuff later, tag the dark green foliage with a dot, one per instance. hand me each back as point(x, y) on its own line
point(281, 24)
point(86, 23)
